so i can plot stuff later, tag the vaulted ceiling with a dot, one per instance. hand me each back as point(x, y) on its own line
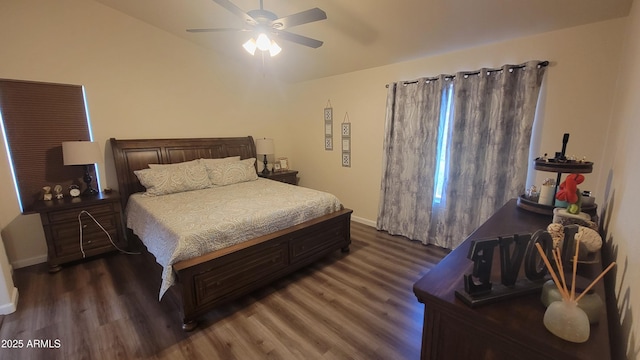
point(361, 34)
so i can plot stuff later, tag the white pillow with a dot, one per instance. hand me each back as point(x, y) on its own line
point(228, 173)
point(176, 178)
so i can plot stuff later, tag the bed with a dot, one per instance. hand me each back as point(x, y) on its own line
point(210, 279)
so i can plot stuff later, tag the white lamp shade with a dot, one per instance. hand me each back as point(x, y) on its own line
point(274, 49)
point(265, 146)
point(250, 46)
point(80, 152)
point(263, 43)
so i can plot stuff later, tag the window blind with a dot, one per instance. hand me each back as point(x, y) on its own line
point(37, 118)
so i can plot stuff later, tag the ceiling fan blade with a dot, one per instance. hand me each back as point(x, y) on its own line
point(215, 30)
point(300, 18)
point(298, 39)
point(237, 11)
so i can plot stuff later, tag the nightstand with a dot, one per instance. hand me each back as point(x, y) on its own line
point(61, 223)
point(285, 176)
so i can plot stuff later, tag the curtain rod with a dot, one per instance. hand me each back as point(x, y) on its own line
point(540, 64)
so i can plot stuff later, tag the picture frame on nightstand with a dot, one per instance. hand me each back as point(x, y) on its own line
point(284, 163)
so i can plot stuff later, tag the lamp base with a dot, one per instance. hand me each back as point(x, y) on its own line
point(265, 170)
point(89, 191)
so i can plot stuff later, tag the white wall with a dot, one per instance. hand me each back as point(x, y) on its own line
point(619, 180)
point(8, 292)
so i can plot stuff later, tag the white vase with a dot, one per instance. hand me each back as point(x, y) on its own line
point(567, 321)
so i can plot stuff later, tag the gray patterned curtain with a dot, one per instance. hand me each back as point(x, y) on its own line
point(411, 134)
point(487, 156)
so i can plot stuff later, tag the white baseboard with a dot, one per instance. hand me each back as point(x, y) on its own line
point(11, 307)
point(30, 261)
point(363, 221)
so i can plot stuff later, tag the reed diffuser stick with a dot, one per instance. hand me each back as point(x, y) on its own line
point(596, 280)
point(575, 267)
point(558, 258)
point(553, 274)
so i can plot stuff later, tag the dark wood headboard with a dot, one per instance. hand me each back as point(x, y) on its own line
point(132, 155)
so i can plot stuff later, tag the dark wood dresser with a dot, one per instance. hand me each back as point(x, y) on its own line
point(61, 224)
point(508, 329)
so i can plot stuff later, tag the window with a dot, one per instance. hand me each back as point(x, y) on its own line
point(444, 135)
point(36, 118)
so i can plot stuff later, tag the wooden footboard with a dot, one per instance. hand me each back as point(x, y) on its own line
point(212, 279)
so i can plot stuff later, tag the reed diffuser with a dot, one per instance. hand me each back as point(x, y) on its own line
point(564, 318)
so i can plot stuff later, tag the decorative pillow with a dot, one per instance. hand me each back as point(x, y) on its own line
point(158, 166)
point(190, 175)
point(232, 172)
point(213, 162)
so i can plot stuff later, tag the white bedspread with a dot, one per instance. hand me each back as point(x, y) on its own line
point(185, 225)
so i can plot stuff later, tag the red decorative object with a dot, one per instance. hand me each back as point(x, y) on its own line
point(569, 188)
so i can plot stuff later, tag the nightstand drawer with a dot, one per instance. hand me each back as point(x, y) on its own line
point(72, 248)
point(72, 215)
point(66, 235)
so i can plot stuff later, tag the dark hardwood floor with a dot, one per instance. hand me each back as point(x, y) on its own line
point(358, 305)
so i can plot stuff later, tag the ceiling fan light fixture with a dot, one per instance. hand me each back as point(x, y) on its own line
point(274, 49)
point(263, 42)
point(265, 22)
point(250, 46)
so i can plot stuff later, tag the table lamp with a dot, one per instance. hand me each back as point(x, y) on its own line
point(265, 147)
point(85, 153)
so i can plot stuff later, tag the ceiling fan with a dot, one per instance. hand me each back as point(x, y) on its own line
point(266, 25)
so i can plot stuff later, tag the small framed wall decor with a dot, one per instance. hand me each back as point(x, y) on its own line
point(346, 145)
point(346, 159)
point(328, 130)
point(328, 127)
point(346, 129)
point(328, 144)
point(346, 141)
point(328, 112)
